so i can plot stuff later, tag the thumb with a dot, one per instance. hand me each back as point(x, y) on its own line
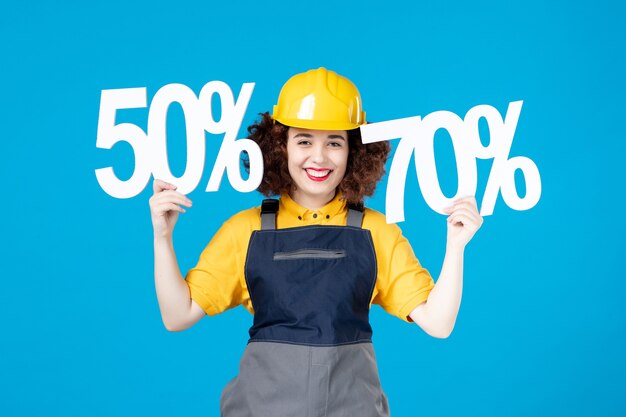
point(160, 185)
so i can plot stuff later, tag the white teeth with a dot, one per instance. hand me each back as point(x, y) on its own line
point(318, 174)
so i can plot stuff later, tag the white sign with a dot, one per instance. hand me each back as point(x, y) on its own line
point(151, 149)
point(416, 136)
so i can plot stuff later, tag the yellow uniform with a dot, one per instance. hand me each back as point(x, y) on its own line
point(217, 283)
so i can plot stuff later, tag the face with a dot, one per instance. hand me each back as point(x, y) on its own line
point(317, 161)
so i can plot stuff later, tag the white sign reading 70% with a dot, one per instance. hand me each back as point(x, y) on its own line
point(417, 139)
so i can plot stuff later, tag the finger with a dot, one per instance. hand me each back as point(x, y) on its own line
point(456, 217)
point(463, 219)
point(467, 212)
point(468, 199)
point(172, 196)
point(470, 208)
point(456, 206)
point(176, 196)
point(465, 203)
point(161, 209)
point(157, 207)
point(160, 185)
point(470, 211)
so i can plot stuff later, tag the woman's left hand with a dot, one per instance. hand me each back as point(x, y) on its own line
point(463, 221)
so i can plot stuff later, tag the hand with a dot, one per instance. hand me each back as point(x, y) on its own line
point(164, 207)
point(463, 221)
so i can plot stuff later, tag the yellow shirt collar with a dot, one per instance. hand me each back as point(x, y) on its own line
point(335, 206)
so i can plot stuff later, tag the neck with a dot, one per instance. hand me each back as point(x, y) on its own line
point(311, 202)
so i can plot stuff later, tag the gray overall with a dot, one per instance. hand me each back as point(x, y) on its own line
point(310, 352)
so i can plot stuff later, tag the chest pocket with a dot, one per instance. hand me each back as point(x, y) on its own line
point(309, 254)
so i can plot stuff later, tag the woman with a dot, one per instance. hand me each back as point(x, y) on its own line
point(308, 266)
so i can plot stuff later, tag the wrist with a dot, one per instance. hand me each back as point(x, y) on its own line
point(163, 240)
point(453, 248)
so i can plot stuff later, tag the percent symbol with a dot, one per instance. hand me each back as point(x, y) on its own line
point(502, 174)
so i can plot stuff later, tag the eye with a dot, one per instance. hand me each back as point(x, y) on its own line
point(304, 142)
point(335, 144)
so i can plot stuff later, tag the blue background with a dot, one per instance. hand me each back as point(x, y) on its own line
point(541, 327)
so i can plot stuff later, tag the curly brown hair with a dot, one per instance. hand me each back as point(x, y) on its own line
point(366, 163)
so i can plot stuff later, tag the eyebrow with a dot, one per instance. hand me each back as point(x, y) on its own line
point(308, 135)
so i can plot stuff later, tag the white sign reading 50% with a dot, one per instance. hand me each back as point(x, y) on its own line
point(417, 139)
point(150, 148)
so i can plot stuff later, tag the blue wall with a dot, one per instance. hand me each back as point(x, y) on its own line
point(541, 327)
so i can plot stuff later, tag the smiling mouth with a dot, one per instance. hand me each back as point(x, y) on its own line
point(318, 175)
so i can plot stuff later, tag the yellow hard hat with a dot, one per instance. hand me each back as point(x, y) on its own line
point(319, 99)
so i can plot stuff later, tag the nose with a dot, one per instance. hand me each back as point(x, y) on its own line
point(318, 153)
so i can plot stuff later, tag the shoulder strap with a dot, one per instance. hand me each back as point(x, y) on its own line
point(269, 208)
point(355, 215)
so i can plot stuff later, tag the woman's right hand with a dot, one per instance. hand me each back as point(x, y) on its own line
point(164, 207)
